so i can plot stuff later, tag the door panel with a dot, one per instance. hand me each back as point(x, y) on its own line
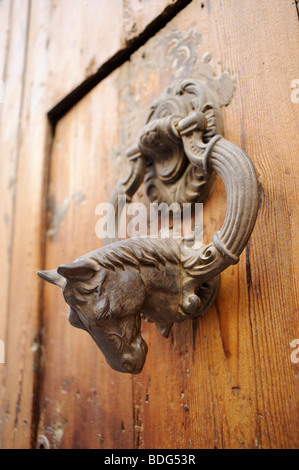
point(228, 380)
point(48, 48)
point(85, 36)
point(225, 380)
point(76, 374)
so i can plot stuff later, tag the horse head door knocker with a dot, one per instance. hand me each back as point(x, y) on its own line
point(179, 151)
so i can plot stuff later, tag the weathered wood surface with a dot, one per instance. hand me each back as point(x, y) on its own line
point(47, 49)
point(90, 37)
point(71, 230)
point(13, 329)
point(224, 381)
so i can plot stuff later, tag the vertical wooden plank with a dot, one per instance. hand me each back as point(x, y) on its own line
point(271, 281)
point(175, 399)
point(76, 378)
point(43, 60)
point(23, 328)
point(227, 380)
point(101, 30)
point(14, 32)
point(222, 381)
point(224, 377)
point(5, 17)
point(5, 20)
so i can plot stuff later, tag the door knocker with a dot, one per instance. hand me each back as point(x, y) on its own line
point(179, 151)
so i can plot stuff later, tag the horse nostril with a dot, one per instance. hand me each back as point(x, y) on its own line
point(132, 360)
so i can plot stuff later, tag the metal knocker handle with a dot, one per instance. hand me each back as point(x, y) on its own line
point(179, 151)
point(167, 137)
point(239, 177)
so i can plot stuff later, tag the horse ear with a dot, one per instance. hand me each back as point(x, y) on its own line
point(52, 276)
point(79, 270)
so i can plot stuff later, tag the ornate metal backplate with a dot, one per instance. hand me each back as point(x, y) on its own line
point(170, 176)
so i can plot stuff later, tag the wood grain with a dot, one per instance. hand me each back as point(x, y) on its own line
point(223, 381)
point(14, 32)
point(226, 380)
point(233, 384)
point(47, 49)
point(75, 374)
point(85, 35)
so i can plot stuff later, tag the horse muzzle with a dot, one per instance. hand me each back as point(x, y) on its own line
point(133, 357)
point(129, 358)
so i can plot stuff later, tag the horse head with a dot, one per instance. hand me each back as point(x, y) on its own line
point(99, 304)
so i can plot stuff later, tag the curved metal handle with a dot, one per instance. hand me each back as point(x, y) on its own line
point(238, 175)
point(165, 280)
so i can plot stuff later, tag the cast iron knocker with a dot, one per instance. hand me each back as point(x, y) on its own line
point(178, 153)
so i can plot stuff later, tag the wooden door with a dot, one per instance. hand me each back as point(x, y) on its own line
point(228, 380)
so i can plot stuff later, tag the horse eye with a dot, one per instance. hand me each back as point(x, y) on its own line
point(102, 312)
point(87, 290)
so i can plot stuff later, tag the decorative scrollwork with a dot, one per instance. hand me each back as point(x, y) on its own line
point(169, 175)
